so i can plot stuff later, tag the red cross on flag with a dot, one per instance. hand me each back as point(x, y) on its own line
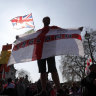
point(47, 42)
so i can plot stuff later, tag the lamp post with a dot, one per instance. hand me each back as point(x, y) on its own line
point(87, 37)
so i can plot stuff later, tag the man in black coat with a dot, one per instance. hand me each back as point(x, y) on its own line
point(89, 82)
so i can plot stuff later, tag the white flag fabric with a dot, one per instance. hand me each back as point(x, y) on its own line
point(47, 42)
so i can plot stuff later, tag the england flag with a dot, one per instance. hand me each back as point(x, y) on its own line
point(47, 42)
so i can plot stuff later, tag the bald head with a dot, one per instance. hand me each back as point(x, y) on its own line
point(46, 21)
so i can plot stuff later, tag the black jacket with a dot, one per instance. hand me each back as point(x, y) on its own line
point(87, 82)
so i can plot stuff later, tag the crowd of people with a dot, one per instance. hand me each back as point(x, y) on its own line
point(22, 87)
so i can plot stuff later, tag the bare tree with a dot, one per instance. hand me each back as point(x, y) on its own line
point(90, 46)
point(72, 67)
point(23, 73)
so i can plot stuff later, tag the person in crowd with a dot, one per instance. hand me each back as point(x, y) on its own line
point(10, 84)
point(51, 65)
point(10, 88)
point(1, 87)
point(89, 82)
point(21, 87)
point(65, 89)
point(39, 87)
point(75, 89)
point(31, 89)
point(26, 81)
point(51, 89)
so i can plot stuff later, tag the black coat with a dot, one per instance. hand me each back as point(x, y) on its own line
point(87, 82)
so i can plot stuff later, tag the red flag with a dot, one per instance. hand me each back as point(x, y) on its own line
point(7, 47)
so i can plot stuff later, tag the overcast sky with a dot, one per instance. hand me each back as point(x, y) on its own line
point(63, 13)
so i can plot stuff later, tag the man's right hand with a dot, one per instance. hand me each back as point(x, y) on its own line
point(17, 36)
point(80, 28)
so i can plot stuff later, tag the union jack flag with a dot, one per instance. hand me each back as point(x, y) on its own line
point(25, 21)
